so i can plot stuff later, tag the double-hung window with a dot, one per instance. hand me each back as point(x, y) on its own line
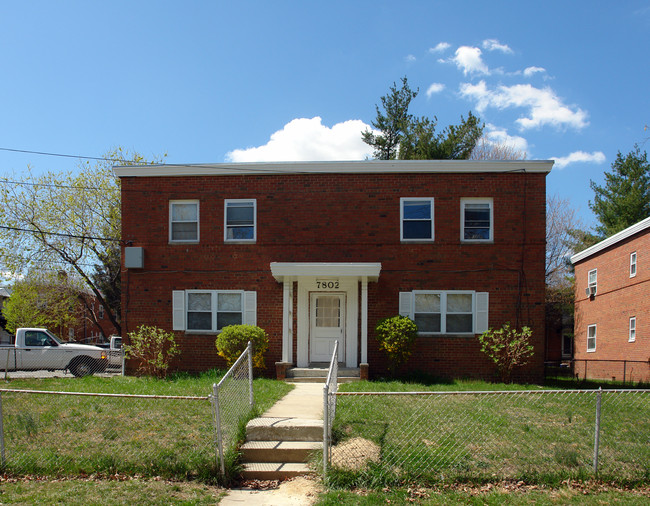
point(632, 336)
point(184, 221)
point(416, 219)
point(591, 338)
point(592, 281)
point(240, 219)
point(446, 312)
point(212, 310)
point(476, 220)
point(633, 264)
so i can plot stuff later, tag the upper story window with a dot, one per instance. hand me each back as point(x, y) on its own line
point(633, 264)
point(476, 220)
point(100, 312)
point(632, 336)
point(592, 281)
point(240, 220)
point(591, 338)
point(184, 221)
point(416, 219)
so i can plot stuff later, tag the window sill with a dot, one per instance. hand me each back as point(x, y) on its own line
point(417, 241)
point(181, 243)
point(202, 332)
point(243, 241)
point(429, 334)
point(591, 351)
point(477, 241)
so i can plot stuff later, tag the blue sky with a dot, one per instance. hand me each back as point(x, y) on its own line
point(216, 81)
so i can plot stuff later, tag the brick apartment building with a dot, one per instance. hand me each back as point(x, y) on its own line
point(317, 252)
point(612, 307)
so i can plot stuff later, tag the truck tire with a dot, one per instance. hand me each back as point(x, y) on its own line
point(81, 367)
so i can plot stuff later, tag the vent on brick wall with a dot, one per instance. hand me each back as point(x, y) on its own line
point(133, 258)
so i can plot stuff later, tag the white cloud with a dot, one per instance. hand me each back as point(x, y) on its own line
point(468, 59)
point(529, 71)
point(578, 157)
point(497, 135)
point(305, 139)
point(544, 106)
point(410, 58)
point(441, 47)
point(435, 88)
point(495, 45)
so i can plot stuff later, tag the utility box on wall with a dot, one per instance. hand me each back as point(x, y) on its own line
point(134, 258)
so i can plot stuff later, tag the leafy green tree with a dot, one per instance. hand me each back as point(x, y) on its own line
point(69, 221)
point(408, 138)
point(624, 199)
point(43, 299)
point(153, 348)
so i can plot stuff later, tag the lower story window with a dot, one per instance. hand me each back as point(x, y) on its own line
point(444, 312)
point(591, 338)
point(212, 310)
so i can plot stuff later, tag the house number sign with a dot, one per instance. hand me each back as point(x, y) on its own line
point(327, 284)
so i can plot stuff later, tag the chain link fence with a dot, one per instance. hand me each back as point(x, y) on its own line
point(381, 437)
point(60, 433)
point(232, 404)
point(77, 433)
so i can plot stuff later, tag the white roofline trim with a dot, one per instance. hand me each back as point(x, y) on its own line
point(280, 270)
point(354, 167)
point(610, 241)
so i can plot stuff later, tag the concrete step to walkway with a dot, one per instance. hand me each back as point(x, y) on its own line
point(274, 470)
point(321, 380)
point(318, 372)
point(284, 429)
point(279, 451)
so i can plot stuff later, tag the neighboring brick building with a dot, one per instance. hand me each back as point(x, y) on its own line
point(316, 252)
point(612, 307)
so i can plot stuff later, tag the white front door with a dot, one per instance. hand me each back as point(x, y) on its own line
point(327, 325)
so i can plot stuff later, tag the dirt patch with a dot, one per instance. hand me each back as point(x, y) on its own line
point(354, 454)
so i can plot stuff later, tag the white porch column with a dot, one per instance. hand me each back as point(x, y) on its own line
point(364, 320)
point(287, 320)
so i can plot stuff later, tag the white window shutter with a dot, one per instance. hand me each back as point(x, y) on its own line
point(250, 308)
point(405, 302)
point(481, 313)
point(178, 310)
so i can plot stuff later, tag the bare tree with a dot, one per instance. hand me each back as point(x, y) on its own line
point(561, 224)
point(488, 150)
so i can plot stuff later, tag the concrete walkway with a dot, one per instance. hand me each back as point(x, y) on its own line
point(304, 402)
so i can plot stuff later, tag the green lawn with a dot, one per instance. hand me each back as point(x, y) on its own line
point(73, 435)
point(537, 435)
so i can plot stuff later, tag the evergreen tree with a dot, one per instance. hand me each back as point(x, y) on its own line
point(624, 199)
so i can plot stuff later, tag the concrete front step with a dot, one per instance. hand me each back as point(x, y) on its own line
point(279, 451)
point(322, 380)
point(284, 429)
point(317, 372)
point(274, 470)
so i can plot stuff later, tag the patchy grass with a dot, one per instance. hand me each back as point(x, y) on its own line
point(59, 435)
point(107, 492)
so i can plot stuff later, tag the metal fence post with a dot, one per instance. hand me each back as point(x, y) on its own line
point(325, 427)
point(597, 430)
point(251, 401)
point(2, 435)
point(217, 421)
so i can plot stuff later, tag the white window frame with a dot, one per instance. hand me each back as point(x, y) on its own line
point(591, 349)
point(443, 310)
point(632, 332)
point(593, 282)
point(225, 220)
point(633, 264)
point(198, 221)
point(402, 201)
point(214, 309)
point(100, 312)
point(473, 200)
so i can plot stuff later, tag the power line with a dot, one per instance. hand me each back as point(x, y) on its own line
point(58, 234)
point(62, 155)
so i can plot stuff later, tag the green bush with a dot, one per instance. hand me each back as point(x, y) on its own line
point(396, 336)
point(508, 348)
point(153, 348)
point(233, 339)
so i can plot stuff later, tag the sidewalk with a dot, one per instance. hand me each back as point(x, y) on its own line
point(305, 402)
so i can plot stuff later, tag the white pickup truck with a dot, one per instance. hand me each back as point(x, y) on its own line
point(39, 350)
point(115, 351)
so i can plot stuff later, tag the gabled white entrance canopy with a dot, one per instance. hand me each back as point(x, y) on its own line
point(324, 277)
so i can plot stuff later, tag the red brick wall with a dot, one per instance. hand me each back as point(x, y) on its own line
point(342, 218)
point(618, 298)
